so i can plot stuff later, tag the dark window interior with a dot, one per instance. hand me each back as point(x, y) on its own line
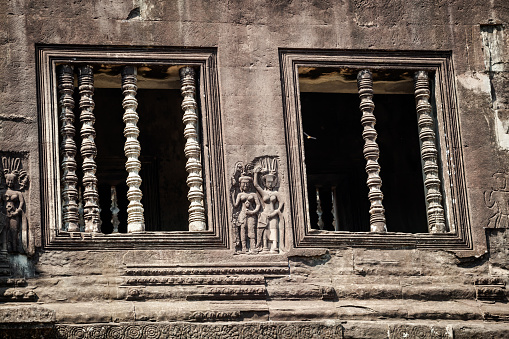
point(162, 156)
point(333, 154)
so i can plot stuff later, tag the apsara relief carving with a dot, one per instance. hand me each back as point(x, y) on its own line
point(498, 200)
point(258, 220)
point(14, 223)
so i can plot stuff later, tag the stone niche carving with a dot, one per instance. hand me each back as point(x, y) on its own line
point(257, 220)
point(498, 200)
point(14, 229)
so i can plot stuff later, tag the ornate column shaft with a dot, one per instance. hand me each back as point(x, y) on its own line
point(65, 74)
point(88, 149)
point(132, 149)
point(193, 151)
point(429, 154)
point(371, 152)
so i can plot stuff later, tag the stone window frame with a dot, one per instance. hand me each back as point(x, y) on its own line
point(204, 59)
point(465, 239)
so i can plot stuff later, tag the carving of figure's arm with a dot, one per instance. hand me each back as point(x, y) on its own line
point(278, 210)
point(257, 205)
point(488, 199)
point(256, 183)
point(19, 210)
point(235, 201)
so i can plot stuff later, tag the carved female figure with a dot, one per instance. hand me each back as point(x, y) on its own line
point(499, 198)
point(13, 204)
point(271, 220)
point(246, 219)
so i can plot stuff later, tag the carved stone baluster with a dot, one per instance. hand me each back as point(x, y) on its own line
point(436, 217)
point(335, 220)
point(132, 149)
point(81, 211)
point(68, 148)
point(114, 209)
point(371, 152)
point(319, 211)
point(88, 149)
point(193, 151)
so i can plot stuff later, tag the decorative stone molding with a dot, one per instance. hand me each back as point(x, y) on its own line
point(190, 280)
point(371, 152)
point(192, 150)
point(88, 149)
point(273, 269)
point(429, 154)
point(215, 316)
point(132, 148)
point(272, 329)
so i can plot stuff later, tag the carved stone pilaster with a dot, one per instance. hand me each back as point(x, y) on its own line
point(192, 151)
point(65, 74)
point(371, 152)
point(88, 149)
point(429, 154)
point(132, 149)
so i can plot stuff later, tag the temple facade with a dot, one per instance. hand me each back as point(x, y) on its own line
point(254, 169)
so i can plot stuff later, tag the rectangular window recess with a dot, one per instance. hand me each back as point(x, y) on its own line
point(117, 169)
point(374, 151)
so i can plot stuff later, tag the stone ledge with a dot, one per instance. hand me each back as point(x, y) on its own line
point(276, 310)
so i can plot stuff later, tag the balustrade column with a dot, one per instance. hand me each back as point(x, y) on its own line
point(429, 154)
point(132, 149)
point(319, 211)
point(114, 209)
point(371, 152)
point(334, 211)
point(88, 149)
point(65, 74)
point(192, 151)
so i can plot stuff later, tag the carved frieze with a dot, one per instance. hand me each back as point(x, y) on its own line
point(257, 219)
point(252, 330)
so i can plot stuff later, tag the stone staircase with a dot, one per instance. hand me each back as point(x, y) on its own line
point(227, 281)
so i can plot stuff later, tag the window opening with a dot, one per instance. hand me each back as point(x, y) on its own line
point(370, 151)
point(130, 157)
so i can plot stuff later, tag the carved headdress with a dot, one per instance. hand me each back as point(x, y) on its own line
point(12, 166)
